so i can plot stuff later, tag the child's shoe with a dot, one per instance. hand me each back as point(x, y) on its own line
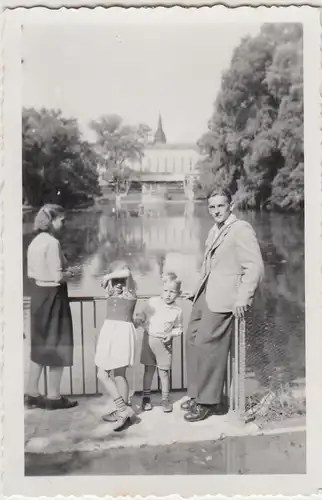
point(167, 406)
point(110, 417)
point(146, 404)
point(122, 418)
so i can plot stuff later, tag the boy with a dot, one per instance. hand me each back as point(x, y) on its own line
point(163, 321)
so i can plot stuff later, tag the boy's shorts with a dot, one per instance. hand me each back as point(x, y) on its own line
point(156, 353)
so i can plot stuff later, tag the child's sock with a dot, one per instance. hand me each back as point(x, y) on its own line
point(147, 393)
point(164, 395)
point(120, 404)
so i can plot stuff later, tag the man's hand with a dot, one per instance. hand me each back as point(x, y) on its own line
point(240, 310)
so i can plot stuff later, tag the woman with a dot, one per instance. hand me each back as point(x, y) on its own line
point(51, 321)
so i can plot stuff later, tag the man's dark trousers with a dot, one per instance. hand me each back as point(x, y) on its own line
point(208, 341)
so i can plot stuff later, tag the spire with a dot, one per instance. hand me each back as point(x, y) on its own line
point(159, 137)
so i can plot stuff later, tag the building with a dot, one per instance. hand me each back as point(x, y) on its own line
point(163, 161)
point(162, 164)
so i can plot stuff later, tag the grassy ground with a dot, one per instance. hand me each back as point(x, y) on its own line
point(277, 405)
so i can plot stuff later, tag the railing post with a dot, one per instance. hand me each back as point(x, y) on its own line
point(236, 374)
point(45, 381)
point(236, 368)
point(182, 362)
point(242, 365)
point(82, 346)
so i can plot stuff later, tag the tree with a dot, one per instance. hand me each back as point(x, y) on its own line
point(57, 165)
point(254, 144)
point(119, 146)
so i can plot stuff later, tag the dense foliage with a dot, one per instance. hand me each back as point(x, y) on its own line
point(57, 164)
point(254, 144)
point(119, 145)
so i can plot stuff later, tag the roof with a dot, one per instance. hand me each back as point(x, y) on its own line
point(174, 146)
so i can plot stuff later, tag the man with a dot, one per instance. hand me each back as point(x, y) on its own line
point(231, 272)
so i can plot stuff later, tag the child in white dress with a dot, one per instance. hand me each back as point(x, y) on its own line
point(115, 348)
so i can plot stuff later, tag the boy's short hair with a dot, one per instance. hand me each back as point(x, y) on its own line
point(171, 277)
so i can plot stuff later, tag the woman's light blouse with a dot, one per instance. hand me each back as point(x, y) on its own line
point(45, 260)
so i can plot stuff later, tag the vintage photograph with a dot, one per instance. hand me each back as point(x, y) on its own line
point(163, 185)
point(163, 249)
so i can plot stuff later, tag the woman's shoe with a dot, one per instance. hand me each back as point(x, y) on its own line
point(188, 405)
point(34, 401)
point(60, 404)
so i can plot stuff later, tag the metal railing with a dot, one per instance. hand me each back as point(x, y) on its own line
point(81, 379)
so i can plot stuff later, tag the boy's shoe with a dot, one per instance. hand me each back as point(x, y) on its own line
point(146, 404)
point(62, 403)
point(166, 405)
point(34, 401)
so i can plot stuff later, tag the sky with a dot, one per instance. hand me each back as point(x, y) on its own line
point(135, 71)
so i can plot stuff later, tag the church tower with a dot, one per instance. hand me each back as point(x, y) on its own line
point(159, 137)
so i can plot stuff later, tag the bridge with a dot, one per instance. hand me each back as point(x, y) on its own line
point(159, 177)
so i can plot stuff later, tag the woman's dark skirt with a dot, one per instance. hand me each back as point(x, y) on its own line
point(51, 326)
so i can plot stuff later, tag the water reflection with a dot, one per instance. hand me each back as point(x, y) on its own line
point(170, 236)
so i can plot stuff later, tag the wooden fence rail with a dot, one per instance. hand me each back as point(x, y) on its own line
point(81, 379)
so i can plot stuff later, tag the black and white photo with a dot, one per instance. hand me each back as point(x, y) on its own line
point(167, 245)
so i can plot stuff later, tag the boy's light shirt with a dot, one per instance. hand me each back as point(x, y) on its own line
point(162, 318)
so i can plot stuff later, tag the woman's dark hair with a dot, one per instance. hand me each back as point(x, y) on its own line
point(221, 192)
point(46, 215)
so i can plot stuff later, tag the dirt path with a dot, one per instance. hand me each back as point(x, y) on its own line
point(282, 454)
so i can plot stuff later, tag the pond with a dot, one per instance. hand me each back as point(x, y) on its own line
point(170, 236)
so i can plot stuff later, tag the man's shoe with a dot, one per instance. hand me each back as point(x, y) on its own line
point(166, 405)
point(188, 405)
point(199, 412)
point(219, 409)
